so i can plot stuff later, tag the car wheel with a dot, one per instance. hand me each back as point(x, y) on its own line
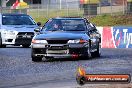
point(97, 53)
point(0, 41)
point(2, 46)
point(45, 59)
point(26, 46)
point(87, 54)
point(36, 58)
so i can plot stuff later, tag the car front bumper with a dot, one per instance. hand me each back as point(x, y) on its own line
point(16, 39)
point(59, 50)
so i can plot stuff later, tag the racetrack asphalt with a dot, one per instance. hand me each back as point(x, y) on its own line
point(18, 71)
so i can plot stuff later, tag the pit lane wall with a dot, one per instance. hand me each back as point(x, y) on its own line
point(116, 37)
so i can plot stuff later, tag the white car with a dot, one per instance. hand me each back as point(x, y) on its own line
point(16, 29)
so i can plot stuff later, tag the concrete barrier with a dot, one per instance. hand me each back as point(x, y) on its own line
point(116, 37)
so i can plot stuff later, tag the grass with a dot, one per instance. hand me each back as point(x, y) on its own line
point(41, 19)
point(108, 20)
point(99, 20)
point(42, 15)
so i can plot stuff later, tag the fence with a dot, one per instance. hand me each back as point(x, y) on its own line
point(74, 9)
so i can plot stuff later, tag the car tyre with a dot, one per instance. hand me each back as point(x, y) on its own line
point(87, 54)
point(97, 53)
point(36, 58)
point(26, 46)
point(2, 46)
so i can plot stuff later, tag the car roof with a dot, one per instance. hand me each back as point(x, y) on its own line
point(69, 18)
point(14, 14)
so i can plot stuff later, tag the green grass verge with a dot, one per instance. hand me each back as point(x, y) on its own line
point(42, 15)
point(102, 20)
point(41, 19)
point(108, 20)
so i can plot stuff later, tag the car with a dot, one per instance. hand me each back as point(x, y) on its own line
point(16, 29)
point(0, 39)
point(66, 37)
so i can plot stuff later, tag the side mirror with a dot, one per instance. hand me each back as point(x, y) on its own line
point(37, 30)
point(94, 25)
point(39, 24)
point(93, 29)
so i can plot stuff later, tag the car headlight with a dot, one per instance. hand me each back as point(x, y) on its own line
point(39, 41)
point(77, 41)
point(8, 32)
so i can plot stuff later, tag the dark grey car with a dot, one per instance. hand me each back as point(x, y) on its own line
point(66, 38)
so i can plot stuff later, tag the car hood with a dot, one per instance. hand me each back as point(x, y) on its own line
point(62, 35)
point(20, 28)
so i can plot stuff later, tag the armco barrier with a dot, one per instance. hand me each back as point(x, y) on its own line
point(116, 37)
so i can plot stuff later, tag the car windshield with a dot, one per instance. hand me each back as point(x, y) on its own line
point(65, 25)
point(17, 20)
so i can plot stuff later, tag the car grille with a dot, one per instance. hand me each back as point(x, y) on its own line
point(23, 41)
point(25, 34)
point(58, 47)
point(57, 51)
point(57, 41)
point(24, 38)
